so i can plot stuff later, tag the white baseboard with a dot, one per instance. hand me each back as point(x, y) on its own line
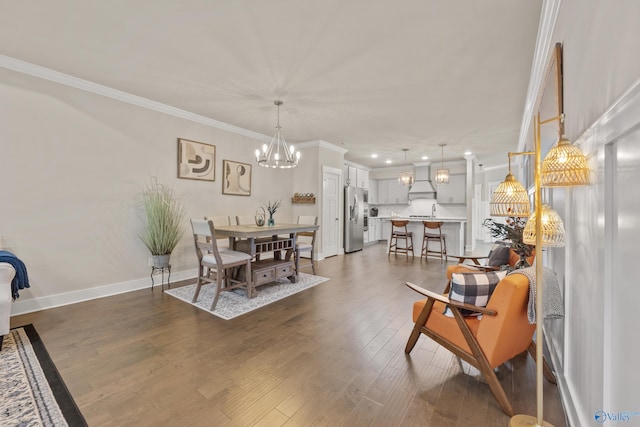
point(42, 303)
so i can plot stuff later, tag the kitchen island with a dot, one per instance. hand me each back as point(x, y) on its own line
point(452, 228)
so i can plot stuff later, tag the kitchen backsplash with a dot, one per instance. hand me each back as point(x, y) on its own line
point(423, 207)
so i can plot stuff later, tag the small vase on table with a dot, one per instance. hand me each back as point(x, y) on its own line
point(270, 221)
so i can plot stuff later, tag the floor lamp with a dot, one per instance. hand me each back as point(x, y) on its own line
point(563, 166)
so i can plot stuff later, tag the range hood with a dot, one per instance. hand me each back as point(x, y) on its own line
point(422, 187)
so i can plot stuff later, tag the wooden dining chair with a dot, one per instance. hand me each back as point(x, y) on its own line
point(305, 242)
point(245, 220)
point(218, 221)
point(221, 261)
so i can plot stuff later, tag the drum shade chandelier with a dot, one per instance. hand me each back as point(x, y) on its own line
point(278, 154)
point(406, 177)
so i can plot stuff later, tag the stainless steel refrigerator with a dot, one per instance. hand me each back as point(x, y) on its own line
point(355, 218)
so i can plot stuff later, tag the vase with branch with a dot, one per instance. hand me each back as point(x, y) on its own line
point(272, 207)
point(511, 232)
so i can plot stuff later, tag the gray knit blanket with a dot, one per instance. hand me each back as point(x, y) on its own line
point(552, 302)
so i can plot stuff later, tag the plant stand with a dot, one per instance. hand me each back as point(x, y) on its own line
point(161, 270)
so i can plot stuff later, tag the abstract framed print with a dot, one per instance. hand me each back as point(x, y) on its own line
point(236, 178)
point(196, 160)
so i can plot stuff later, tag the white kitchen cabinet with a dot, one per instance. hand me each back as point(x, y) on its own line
point(454, 191)
point(373, 192)
point(390, 192)
point(398, 193)
point(362, 178)
point(355, 177)
point(385, 227)
point(350, 175)
point(383, 192)
point(375, 230)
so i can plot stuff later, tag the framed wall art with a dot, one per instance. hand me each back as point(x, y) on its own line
point(236, 178)
point(196, 160)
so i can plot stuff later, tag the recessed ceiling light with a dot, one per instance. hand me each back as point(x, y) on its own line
point(425, 157)
point(374, 156)
point(388, 161)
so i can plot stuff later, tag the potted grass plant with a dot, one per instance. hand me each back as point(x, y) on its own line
point(164, 216)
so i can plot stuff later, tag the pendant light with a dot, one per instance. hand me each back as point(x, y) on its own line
point(510, 198)
point(278, 154)
point(442, 174)
point(406, 177)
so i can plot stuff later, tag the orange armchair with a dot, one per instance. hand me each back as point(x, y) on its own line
point(501, 333)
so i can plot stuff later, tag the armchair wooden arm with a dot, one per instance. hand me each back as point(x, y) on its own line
point(462, 258)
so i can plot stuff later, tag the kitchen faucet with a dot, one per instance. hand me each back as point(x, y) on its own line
point(433, 210)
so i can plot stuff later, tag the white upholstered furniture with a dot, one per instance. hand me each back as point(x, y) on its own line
point(222, 261)
point(7, 273)
point(306, 241)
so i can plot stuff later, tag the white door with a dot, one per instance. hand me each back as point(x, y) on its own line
point(331, 192)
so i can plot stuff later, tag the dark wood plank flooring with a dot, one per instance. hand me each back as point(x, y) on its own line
point(331, 355)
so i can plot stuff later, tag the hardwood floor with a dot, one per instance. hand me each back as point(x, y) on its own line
point(331, 355)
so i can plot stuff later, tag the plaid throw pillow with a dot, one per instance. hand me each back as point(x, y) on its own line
point(473, 288)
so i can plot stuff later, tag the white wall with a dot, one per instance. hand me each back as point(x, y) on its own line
point(599, 345)
point(72, 166)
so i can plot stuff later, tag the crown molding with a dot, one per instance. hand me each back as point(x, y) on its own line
point(98, 89)
point(322, 144)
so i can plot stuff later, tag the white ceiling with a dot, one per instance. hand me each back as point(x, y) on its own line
point(368, 75)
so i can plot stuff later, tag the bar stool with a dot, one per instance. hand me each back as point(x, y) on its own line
point(399, 232)
point(435, 236)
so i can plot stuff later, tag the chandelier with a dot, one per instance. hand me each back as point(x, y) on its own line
point(406, 177)
point(442, 174)
point(278, 154)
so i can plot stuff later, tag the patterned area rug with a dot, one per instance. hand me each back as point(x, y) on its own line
point(32, 392)
point(235, 303)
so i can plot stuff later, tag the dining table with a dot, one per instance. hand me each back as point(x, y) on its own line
point(256, 240)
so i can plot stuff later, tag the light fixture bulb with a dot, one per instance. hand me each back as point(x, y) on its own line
point(510, 199)
point(442, 174)
point(405, 177)
point(564, 166)
point(551, 225)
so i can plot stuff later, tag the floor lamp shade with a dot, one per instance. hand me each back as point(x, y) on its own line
point(564, 166)
point(510, 199)
point(552, 228)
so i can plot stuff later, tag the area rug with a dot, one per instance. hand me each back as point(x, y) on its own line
point(32, 392)
point(235, 303)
